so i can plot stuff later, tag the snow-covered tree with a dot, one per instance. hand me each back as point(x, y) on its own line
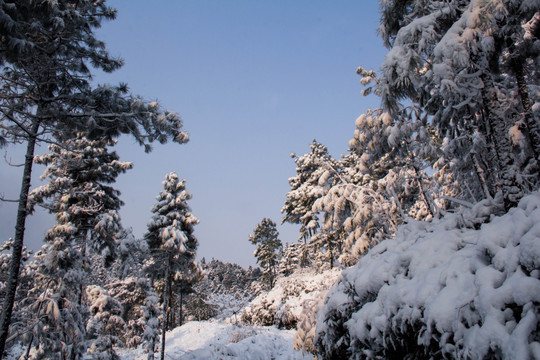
point(85, 208)
point(290, 258)
point(265, 236)
point(150, 337)
point(381, 182)
point(171, 242)
point(57, 327)
point(80, 194)
point(47, 52)
point(105, 324)
point(315, 172)
point(465, 64)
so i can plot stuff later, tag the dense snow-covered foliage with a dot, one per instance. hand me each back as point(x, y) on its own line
point(225, 290)
point(283, 304)
point(470, 68)
point(315, 172)
point(105, 324)
point(466, 286)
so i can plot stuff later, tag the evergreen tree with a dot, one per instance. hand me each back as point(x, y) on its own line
point(79, 193)
point(265, 236)
point(470, 66)
point(315, 172)
point(380, 183)
point(85, 208)
point(150, 336)
point(47, 52)
point(105, 324)
point(290, 258)
point(171, 242)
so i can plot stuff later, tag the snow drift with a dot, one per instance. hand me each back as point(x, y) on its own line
point(466, 286)
point(208, 340)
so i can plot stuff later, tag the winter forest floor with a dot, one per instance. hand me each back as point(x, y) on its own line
point(218, 340)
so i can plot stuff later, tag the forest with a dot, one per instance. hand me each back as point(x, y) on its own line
point(422, 242)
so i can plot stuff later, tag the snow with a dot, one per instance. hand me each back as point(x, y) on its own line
point(219, 340)
point(470, 286)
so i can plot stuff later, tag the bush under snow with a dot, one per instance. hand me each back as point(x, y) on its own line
point(466, 287)
point(282, 306)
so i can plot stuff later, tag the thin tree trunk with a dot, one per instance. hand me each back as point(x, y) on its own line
point(423, 191)
point(479, 171)
point(16, 258)
point(172, 319)
point(165, 303)
point(181, 317)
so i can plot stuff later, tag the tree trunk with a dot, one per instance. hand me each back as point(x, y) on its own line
point(423, 191)
point(181, 316)
point(330, 248)
point(165, 305)
point(16, 258)
point(172, 319)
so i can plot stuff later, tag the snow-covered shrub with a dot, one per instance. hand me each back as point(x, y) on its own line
point(465, 286)
point(303, 339)
point(105, 324)
point(151, 313)
point(283, 305)
point(130, 293)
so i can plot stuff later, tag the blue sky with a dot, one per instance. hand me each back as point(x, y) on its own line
point(253, 82)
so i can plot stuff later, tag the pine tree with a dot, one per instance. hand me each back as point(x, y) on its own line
point(85, 208)
point(80, 195)
point(380, 182)
point(315, 172)
point(105, 324)
point(48, 49)
point(150, 336)
point(290, 258)
point(265, 236)
point(171, 242)
point(464, 63)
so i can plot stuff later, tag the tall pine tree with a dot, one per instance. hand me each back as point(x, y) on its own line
point(265, 236)
point(171, 242)
point(87, 222)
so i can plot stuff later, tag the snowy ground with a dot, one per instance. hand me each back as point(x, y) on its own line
point(217, 340)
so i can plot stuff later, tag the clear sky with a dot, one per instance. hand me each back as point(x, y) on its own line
point(253, 82)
